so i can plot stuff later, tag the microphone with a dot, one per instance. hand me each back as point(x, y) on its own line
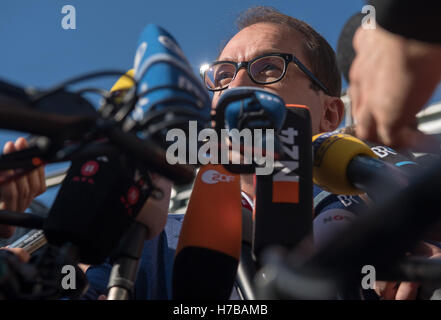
point(404, 160)
point(345, 50)
point(170, 95)
point(209, 244)
point(344, 164)
point(98, 199)
point(102, 195)
point(283, 200)
point(31, 241)
point(383, 236)
point(17, 115)
point(251, 108)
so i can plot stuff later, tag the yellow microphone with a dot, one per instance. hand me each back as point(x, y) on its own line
point(346, 165)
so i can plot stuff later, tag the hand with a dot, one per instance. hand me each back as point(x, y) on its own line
point(18, 194)
point(154, 212)
point(406, 290)
point(391, 79)
point(21, 253)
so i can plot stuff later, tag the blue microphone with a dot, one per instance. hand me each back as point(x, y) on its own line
point(170, 95)
point(250, 107)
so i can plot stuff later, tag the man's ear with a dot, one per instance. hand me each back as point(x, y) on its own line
point(333, 113)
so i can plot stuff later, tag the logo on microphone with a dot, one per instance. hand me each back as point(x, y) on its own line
point(212, 177)
point(89, 168)
point(133, 195)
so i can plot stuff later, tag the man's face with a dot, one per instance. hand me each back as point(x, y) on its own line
point(295, 87)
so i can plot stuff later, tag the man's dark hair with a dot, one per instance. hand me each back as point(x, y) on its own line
point(320, 55)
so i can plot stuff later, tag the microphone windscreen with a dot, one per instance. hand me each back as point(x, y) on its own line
point(209, 244)
point(250, 107)
point(96, 203)
point(332, 154)
point(345, 50)
point(166, 83)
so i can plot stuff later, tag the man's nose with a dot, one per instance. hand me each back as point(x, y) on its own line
point(242, 79)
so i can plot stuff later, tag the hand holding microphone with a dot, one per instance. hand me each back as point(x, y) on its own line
point(18, 194)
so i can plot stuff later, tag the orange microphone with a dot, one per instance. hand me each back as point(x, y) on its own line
point(209, 246)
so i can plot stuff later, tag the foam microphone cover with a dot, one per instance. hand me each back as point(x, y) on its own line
point(332, 154)
point(283, 200)
point(96, 203)
point(250, 107)
point(209, 245)
point(171, 93)
point(345, 50)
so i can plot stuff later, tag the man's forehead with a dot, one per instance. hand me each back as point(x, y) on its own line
point(260, 39)
point(255, 53)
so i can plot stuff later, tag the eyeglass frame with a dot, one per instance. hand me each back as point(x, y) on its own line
point(287, 57)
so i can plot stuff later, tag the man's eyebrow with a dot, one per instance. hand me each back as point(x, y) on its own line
point(225, 59)
point(256, 54)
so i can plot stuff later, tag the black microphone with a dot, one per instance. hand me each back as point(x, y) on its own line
point(96, 203)
point(283, 200)
point(383, 235)
point(102, 195)
point(21, 116)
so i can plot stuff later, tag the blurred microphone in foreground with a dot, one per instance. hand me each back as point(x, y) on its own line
point(102, 195)
point(209, 245)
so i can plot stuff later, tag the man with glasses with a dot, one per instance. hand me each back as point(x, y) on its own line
point(282, 55)
point(287, 57)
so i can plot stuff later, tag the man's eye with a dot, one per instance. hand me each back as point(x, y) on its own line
point(270, 67)
point(223, 77)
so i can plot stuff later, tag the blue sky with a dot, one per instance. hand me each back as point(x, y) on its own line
point(37, 51)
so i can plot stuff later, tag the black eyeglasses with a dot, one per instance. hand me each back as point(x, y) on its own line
point(265, 69)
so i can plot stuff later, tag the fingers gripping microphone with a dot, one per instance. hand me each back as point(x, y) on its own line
point(209, 245)
point(170, 95)
point(345, 165)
